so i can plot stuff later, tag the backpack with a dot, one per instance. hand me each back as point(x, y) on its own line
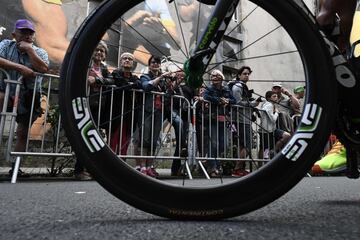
point(231, 84)
point(246, 93)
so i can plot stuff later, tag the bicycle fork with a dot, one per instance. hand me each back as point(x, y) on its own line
point(206, 46)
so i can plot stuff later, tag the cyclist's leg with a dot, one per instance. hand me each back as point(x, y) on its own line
point(327, 15)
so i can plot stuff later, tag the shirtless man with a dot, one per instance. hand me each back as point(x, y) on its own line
point(51, 26)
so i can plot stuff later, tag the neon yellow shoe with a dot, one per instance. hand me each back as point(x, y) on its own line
point(333, 162)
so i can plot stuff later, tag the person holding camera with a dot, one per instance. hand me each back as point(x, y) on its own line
point(178, 113)
point(243, 116)
point(151, 115)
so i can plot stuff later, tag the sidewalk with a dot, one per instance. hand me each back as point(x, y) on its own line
point(38, 170)
point(43, 174)
point(5, 170)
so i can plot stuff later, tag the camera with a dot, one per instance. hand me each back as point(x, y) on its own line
point(170, 78)
point(249, 93)
point(166, 80)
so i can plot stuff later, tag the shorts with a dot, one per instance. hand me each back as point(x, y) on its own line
point(24, 118)
point(268, 140)
point(24, 106)
point(244, 132)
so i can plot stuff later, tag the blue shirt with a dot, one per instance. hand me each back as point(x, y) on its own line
point(213, 95)
point(9, 51)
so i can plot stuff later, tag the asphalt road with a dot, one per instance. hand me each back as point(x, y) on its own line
point(317, 208)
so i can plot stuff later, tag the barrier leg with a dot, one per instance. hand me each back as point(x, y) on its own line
point(203, 169)
point(188, 170)
point(15, 170)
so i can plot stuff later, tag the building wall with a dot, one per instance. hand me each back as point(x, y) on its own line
point(285, 68)
point(288, 69)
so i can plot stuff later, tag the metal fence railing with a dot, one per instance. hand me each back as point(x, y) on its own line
point(141, 125)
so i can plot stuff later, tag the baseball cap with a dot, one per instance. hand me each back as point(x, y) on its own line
point(24, 24)
point(299, 89)
point(277, 84)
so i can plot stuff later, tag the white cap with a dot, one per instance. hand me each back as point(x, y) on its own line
point(277, 84)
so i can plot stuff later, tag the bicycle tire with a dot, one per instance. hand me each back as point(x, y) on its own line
point(228, 200)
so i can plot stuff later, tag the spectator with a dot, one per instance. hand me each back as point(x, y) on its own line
point(270, 134)
point(201, 125)
point(97, 72)
point(220, 98)
point(177, 113)
point(299, 92)
point(121, 101)
point(20, 57)
point(286, 105)
point(299, 95)
point(202, 122)
point(151, 119)
point(243, 116)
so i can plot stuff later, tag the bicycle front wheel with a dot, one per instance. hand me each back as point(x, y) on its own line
point(275, 38)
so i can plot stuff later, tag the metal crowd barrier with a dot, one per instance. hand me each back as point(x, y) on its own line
point(238, 126)
point(200, 119)
point(44, 139)
point(198, 124)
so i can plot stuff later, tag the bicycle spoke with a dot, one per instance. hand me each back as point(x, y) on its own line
point(244, 48)
point(256, 57)
point(181, 31)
